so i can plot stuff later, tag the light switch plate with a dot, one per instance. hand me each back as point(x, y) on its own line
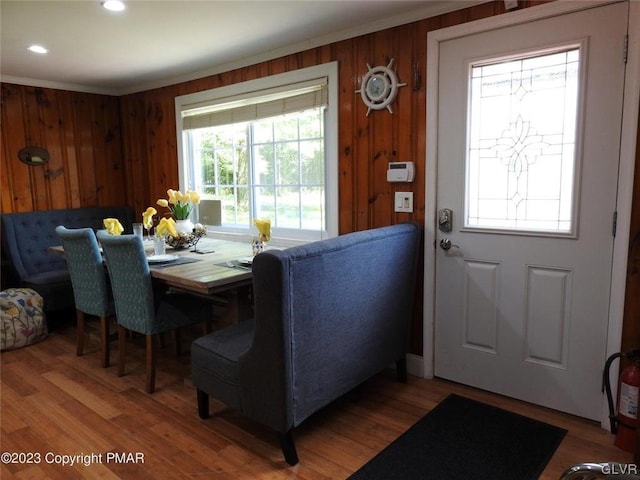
point(404, 202)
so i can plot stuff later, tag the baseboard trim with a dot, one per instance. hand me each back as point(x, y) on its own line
point(415, 365)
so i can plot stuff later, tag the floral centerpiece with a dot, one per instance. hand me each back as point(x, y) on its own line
point(178, 230)
point(180, 204)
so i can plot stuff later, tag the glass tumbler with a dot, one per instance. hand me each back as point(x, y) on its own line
point(159, 245)
point(137, 230)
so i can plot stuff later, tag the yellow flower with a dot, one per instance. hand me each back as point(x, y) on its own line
point(166, 225)
point(194, 197)
point(147, 217)
point(113, 226)
point(264, 228)
point(180, 204)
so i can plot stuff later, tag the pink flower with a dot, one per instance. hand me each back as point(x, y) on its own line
point(26, 332)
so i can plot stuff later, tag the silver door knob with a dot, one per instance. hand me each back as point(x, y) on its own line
point(446, 244)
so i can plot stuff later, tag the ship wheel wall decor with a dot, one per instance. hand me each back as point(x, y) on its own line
point(379, 87)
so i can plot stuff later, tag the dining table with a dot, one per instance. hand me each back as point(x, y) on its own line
point(214, 265)
point(216, 268)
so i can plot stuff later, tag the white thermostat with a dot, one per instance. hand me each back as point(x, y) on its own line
point(400, 172)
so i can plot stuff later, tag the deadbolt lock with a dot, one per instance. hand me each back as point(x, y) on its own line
point(445, 220)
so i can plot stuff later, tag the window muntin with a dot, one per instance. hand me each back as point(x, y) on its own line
point(273, 168)
point(521, 156)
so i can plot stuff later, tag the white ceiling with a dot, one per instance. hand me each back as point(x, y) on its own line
point(155, 43)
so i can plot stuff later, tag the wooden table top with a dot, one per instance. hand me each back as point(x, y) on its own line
point(208, 273)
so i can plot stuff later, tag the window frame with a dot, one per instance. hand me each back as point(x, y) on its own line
point(282, 237)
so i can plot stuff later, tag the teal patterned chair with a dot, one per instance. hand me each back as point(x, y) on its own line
point(91, 289)
point(138, 307)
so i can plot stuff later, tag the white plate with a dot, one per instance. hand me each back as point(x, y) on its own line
point(245, 261)
point(162, 258)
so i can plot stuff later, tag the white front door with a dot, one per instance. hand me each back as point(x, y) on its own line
point(527, 162)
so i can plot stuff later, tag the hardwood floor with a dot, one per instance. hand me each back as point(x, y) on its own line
point(54, 403)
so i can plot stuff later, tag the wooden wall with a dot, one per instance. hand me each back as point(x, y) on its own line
point(82, 133)
point(83, 136)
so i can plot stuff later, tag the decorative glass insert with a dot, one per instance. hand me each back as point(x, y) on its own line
point(521, 155)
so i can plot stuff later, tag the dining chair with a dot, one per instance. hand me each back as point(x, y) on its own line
point(90, 284)
point(140, 308)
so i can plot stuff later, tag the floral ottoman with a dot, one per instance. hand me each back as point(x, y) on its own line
point(22, 320)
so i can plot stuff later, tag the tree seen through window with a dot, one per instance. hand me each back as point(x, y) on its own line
point(271, 168)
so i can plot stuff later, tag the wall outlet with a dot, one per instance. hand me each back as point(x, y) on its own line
point(404, 202)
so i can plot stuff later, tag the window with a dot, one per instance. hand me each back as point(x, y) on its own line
point(521, 157)
point(266, 148)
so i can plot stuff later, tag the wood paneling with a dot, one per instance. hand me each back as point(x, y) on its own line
point(83, 136)
point(98, 158)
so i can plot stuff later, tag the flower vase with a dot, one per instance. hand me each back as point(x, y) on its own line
point(184, 226)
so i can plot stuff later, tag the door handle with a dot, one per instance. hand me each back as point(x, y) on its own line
point(446, 244)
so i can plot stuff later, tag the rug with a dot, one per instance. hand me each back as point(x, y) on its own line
point(465, 439)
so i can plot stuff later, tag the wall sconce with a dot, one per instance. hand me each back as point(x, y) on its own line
point(33, 156)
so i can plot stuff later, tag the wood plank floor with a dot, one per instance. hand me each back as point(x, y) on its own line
point(54, 403)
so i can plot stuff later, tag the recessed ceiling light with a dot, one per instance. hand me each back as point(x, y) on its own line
point(37, 49)
point(113, 5)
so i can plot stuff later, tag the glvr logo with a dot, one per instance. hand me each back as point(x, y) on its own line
point(620, 469)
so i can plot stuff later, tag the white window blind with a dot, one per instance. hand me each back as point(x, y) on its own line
point(263, 104)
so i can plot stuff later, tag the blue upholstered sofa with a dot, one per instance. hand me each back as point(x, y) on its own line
point(26, 238)
point(328, 315)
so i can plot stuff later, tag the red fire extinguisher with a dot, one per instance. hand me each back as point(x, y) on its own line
point(624, 424)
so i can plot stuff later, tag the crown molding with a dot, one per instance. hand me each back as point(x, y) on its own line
point(426, 11)
point(33, 82)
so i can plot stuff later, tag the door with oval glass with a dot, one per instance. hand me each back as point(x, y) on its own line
point(526, 193)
